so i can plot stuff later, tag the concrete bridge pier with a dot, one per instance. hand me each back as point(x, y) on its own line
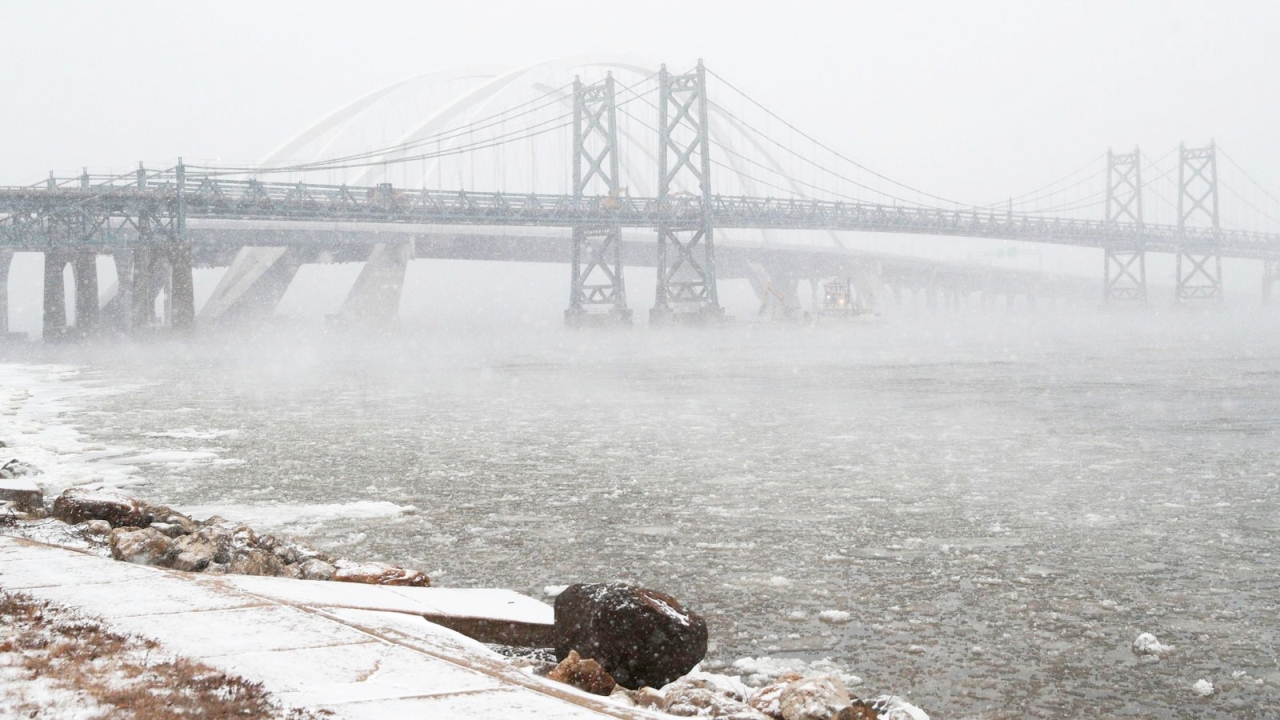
point(253, 285)
point(1270, 275)
point(182, 298)
point(778, 292)
point(375, 297)
point(55, 296)
point(117, 303)
point(148, 276)
point(167, 269)
point(84, 268)
point(6, 257)
point(84, 272)
point(873, 294)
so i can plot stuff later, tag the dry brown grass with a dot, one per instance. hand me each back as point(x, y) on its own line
point(129, 677)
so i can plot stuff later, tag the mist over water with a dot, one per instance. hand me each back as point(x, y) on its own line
point(1002, 501)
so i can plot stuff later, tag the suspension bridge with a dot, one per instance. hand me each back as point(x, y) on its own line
point(688, 159)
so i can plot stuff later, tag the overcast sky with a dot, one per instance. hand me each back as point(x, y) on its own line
point(976, 100)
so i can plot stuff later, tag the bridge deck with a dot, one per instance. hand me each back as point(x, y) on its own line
point(35, 217)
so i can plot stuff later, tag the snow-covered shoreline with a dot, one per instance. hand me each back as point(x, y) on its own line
point(34, 402)
point(38, 404)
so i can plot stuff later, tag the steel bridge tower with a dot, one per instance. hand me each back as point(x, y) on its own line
point(1125, 264)
point(598, 281)
point(686, 248)
point(1199, 266)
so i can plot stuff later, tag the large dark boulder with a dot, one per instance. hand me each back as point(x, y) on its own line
point(76, 505)
point(641, 637)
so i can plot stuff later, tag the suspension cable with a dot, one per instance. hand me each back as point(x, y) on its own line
point(820, 144)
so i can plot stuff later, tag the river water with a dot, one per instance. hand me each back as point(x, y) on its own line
point(1001, 502)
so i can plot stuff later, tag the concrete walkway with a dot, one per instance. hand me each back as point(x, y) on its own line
point(360, 651)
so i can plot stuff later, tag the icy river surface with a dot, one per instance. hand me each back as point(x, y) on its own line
point(1001, 504)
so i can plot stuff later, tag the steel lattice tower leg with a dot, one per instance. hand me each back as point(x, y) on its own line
point(597, 278)
point(1199, 267)
point(1124, 263)
point(686, 277)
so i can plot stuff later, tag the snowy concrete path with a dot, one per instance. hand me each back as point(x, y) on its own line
point(360, 651)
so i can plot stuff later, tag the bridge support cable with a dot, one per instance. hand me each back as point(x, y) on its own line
point(597, 290)
point(686, 288)
point(1124, 262)
point(1199, 265)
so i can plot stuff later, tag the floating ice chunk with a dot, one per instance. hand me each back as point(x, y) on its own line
point(192, 434)
point(554, 590)
point(758, 671)
point(165, 457)
point(286, 514)
point(1203, 688)
point(1147, 644)
point(834, 617)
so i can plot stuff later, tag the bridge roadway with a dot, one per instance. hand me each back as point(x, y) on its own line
point(218, 241)
point(33, 217)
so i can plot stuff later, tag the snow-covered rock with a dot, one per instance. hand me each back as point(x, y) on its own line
point(1203, 688)
point(15, 468)
point(815, 698)
point(584, 674)
point(141, 546)
point(75, 505)
point(892, 707)
point(23, 492)
point(685, 699)
point(376, 573)
point(315, 569)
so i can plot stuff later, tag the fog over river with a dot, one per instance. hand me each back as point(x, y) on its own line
point(1001, 502)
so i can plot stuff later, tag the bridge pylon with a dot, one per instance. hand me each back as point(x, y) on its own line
point(596, 280)
point(1199, 265)
point(1124, 261)
point(686, 287)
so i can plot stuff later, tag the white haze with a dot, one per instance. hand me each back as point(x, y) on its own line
point(1017, 492)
